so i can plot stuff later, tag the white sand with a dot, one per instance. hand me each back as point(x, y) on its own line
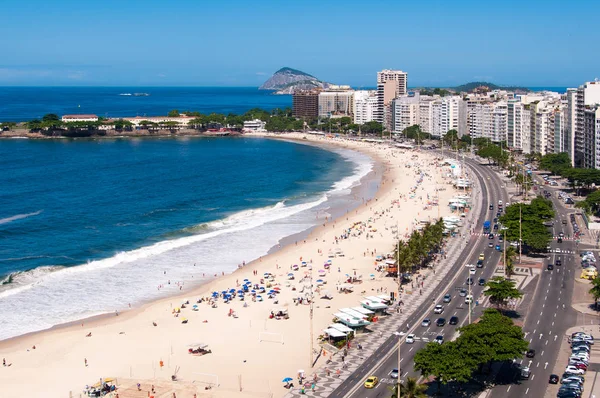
point(130, 348)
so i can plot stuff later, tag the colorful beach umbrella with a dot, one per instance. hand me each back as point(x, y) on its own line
point(287, 380)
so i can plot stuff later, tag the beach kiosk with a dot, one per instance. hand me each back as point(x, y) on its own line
point(350, 321)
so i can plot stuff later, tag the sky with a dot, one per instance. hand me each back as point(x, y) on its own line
point(241, 43)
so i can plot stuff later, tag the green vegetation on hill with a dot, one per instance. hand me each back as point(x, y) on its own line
point(472, 86)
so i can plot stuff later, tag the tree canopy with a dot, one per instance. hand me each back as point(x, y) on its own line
point(500, 290)
point(556, 163)
point(533, 216)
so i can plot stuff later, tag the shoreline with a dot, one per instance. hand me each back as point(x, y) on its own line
point(129, 347)
point(200, 287)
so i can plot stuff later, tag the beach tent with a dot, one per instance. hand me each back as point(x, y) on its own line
point(374, 298)
point(384, 298)
point(363, 310)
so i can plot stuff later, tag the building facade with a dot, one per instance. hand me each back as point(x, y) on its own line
point(391, 84)
point(405, 113)
point(336, 103)
point(365, 106)
point(305, 104)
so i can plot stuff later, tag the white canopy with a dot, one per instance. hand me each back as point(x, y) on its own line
point(362, 310)
point(349, 320)
point(374, 298)
point(334, 333)
point(373, 305)
point(384, 298)
point(353, 313)
point(390, 262)
point(341, 327)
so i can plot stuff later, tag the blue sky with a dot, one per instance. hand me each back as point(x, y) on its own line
point(241, 43)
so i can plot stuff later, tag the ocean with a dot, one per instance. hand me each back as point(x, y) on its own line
point(90, 226)
point(19, 104)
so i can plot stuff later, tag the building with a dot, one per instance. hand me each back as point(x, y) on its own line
point(405, 113)
point(588, 95)
point(365, 106)
point(570, 114)
point(182, 121)
point(336, 103)
point(446, 115)
point(254, 125)
point(391, 84)
point(305, 104)
point(426, 113)
point(79, 118)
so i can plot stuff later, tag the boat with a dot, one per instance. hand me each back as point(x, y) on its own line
point(141, 94)
point(126, 94)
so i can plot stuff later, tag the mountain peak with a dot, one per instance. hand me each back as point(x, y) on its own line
point(288, 80)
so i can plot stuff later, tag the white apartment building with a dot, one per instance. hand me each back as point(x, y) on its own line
point(488, 120)
point(79, 118)
point(405, 113)
point(570, 115)
point(542, 126)
point(336, 103)
point(588, 95)
point(447, 114)
point(254, 125)
point(365, 106)
point(426, 113)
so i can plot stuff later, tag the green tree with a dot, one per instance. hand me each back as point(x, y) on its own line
point(121, 125)
point(531, 226)
point(511, 254)
point(173, 113)
point(170, 125)
point(7, 126)
point(374, 128)
point(556, 163)
point(595, 290)
point(409, 389)
point(50, 117)
point(500, 290)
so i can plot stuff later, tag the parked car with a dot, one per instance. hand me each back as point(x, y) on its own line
point(553, 379)
point(481, 282)
point(574, 370)
point(439, 339)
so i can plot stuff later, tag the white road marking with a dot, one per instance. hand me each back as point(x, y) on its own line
point(411, 348)
point(526, 391)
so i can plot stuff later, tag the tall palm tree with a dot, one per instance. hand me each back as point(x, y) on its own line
point(595, 290)
point(511, 253)
point(409, 389)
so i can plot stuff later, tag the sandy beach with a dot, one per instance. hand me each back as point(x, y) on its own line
point(251, 353)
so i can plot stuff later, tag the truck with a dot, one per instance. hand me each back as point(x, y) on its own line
point(486, 227)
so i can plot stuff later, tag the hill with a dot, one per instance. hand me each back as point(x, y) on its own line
point(485, 86)
point(287, 81)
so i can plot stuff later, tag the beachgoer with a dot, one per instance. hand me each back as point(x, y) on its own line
point(3, 361)
point(85, 362)
point(139, 387)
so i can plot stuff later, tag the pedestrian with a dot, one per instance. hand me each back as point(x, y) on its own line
point(3, 361)
point(85, 362)
point(328, 371)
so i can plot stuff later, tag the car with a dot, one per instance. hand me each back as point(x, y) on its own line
point(371, 382)
point(482, 256)
point(588, 338)
point(491, 244)
point(394, 373)
point(447, 298)
point(426, 322)
point(499, 203)
point(463, 293)
point(472, 271)
point(438, 309)
point(491, 207)
point(495, 220)
point(479, 263)
point(580, 355)
point(561, 234)
point(559, 240)
point(453, 320)
point(490, 236)
point(553, 379)
point(530, 353)
point(498, 248)
point(558, 262)
point(500, 239)
point(564, 222)
point(578, 365)
point(550, 266)
point(567, 378)
point(574, 370)
point(440, 322)
point(439, 339)
point(495, 227)
point(498, 214)
point(469, 281)
point(469, 299)
point(568, 394)
point(481, 282)
point(410, 338)
point(525, 372)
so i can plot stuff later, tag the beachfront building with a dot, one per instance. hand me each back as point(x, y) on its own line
point(365, 106)
point(570, 115)
point(447, 114)
point(138, 121)
point(391, 84)
point(336, 103)
point(255, 125)
point(79, 118)
point(305, 104)
point(426, 113)
point(405, 112)
point(588, 95)
point(488, 120)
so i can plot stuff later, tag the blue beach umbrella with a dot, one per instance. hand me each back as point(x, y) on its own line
point(246, 280)
point(231, 290)
point(215, 294)
point(287, 380)
point(240, 291)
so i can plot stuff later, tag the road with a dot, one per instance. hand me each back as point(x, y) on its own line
point(549, 315)
point(386, 358)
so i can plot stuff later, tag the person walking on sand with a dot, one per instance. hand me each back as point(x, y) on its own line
point(85, 362)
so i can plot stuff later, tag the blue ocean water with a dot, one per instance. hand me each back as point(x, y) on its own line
point(27, 103)
point(93, 225)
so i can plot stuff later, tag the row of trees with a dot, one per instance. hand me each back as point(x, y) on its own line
point(419, 248)
point(527, 221)
point(493, 339)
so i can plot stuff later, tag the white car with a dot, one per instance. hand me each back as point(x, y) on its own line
point(410, 338)
point(573, 370)
point(472, 271)
point(438, 309)
point(500, 202)
point(469, 299)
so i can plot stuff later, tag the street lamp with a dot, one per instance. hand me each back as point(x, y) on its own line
point(399, 360)
point(469, 266)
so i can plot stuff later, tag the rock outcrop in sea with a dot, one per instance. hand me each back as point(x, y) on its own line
point(288, 81)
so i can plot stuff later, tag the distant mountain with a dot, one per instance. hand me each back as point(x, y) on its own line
point(288, 80)
point(485, 86)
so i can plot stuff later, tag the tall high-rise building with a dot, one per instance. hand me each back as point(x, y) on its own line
point(588, 94)
point(391, 84)
point(336, 103)
point(570, 119)
point(305, 104)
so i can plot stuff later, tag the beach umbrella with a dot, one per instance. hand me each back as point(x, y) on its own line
point(319, 280)
point(267, 273)
point(246, 280)
point(277, 289)
point(231, 291)
point(195, 306)
point(224, 292)
point(215, 294)
point(252, 291)
point(321, 270)
point(287, 380)
point(329, 261)
point(291, 273)
point(240, 291)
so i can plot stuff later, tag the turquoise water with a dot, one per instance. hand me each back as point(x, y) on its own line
point(93, 225)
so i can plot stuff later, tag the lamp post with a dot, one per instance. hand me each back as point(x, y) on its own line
point(468, 266)
point(399, 360)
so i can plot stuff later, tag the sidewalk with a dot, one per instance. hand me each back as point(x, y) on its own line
point(340, 370)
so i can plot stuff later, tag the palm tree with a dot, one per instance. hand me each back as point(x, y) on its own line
point(511, 253)
point(595, 290)
point(409, 389)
